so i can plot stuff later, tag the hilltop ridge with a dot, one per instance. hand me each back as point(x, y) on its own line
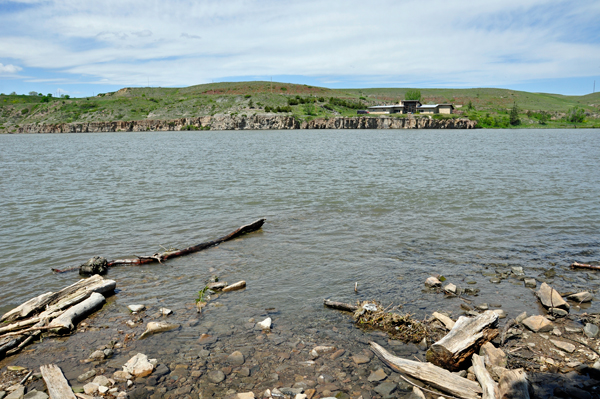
point(490, 107)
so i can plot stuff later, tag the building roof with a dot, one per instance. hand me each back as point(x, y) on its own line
point(429, 106)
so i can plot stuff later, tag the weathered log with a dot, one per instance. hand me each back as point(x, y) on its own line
point(513, 385)
point(550, 298)
point(467, 335)
point(57, 384)
point(483, 376)
point(340, 305)
point(160, 257)
point(84, 287)
point(233, 287)
point(435, 376)
point(67, 320)
point(576, 265)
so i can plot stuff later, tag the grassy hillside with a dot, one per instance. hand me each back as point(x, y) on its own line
point(491, 107)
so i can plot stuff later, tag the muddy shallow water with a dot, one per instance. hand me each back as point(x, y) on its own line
point(385, 209)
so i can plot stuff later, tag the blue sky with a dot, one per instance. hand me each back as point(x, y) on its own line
point(83, 48)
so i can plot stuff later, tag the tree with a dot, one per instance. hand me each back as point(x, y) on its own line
point(33, 93)
point(413, 95)
point(543, 117)
point(576, 115)
point(514, 116)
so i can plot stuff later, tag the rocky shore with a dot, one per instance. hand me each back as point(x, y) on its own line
point(253, 122)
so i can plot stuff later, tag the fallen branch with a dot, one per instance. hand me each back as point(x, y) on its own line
point(435, 376)
point(576, 265)
point(161, 257)
point(340, 305)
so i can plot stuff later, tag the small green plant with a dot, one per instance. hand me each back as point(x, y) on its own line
point(576, 115)
point(201, 294)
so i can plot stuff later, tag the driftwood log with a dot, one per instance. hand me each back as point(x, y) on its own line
point(340, 305)
point(483, 376)
point(160, 257)
point(513, 385)
point(57, 384)
point(52, 311)
point(467, 335)
point(66, 321)
point(435, 376)
point(576, 265)
point(58, 300)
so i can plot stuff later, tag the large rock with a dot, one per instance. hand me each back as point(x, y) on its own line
point(591, 330)
point(550, 298)
point(538, 324)
point(493, 357)
point(139, 365)
point(35, 395)
point(96, 265)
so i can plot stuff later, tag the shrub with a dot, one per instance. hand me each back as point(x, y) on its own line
point(247, 96)
point(576, 115)
point(24, 111)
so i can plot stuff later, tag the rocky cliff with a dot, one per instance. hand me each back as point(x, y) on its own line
point(254, 122)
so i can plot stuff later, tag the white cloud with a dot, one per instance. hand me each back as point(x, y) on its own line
point(9, 69)
point(125, 42)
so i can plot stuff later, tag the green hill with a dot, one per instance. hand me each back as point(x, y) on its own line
point(491, 107)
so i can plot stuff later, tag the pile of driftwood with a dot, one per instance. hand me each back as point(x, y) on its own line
point(54, 312)
point(456, 351)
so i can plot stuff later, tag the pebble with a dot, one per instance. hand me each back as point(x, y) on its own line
point(121, 376)
point(86, 376)
point(136, 308)
point(216, 376)
point(90, 388)
point(591, 330)
point(361, 359)
point(236, 358)
point(97, 355)
point(377, 375)
point(139, 365)
point(265, 324)
point(35, 395)
point(450, 288)
point(165, 311)
point(566, 346)
point(385, 389)
point(530, 283)
point(433, 282)
point(501, 313)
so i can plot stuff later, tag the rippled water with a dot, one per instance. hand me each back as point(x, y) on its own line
point(381, 208)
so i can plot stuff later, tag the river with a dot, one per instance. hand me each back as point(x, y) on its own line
point(381, 208)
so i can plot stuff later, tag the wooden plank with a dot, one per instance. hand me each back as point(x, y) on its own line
point(57, 384)
point(435, 376)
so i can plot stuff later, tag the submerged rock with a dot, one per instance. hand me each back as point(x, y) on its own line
point(158, 326)
point(433, 282)
point(136, 308)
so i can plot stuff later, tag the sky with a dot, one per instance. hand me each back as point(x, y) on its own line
point(82, 48)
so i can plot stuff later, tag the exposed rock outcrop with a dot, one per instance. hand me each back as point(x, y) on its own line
point(253, 122)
